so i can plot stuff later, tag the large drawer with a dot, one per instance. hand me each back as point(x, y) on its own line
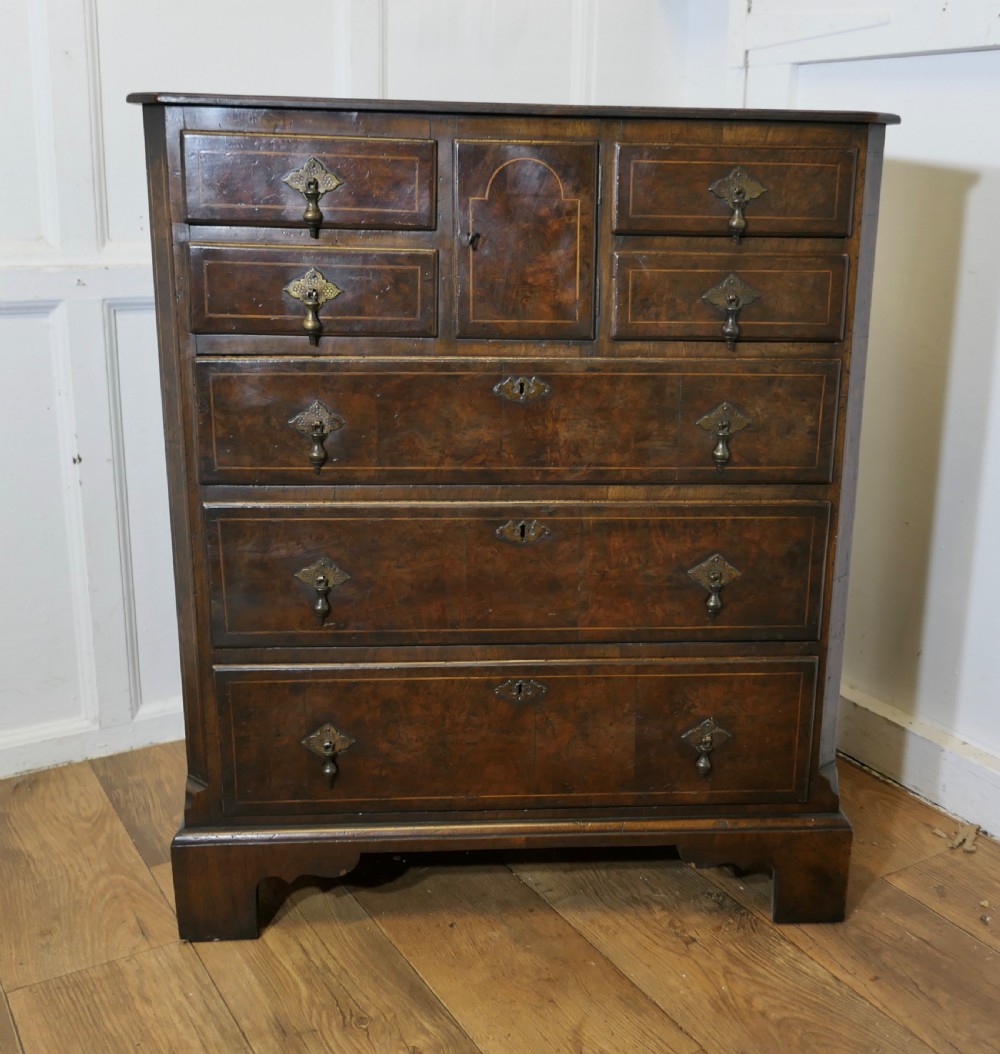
point(687, 296)
point(263, 180)
point(575, 734)
point(730, 189)
point(298, 421)
point(443, 572)
point(275, 289)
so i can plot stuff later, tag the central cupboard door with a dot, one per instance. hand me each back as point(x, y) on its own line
point(525, 238)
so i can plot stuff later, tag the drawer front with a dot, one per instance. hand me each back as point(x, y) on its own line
point(688, 296)
point(524, 229)
point(727, 190)
point(327, 574)
point(266, 289)
point(263, 180)
point(307, 421)
point(522, 736)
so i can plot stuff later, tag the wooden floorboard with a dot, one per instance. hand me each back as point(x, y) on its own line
point(732, 979)
point(146, 788)
point(158, 1002)
point(529, 954)
point(9, 1043)
point(892, 830)
point(515, 974)
point(962, 887)
point(74, 891)
point(900, 956)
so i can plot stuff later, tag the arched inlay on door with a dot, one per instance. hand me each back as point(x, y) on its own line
point(525, 239)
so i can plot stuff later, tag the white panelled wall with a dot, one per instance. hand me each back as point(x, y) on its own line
point(87, 642)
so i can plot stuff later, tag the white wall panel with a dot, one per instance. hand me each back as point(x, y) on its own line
point(142, 494)
point(922, 629)
point(639, 53)
point(513, 51)
point(40, 656)
point(20, 200)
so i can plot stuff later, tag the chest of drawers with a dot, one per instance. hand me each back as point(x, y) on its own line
point(511, 457)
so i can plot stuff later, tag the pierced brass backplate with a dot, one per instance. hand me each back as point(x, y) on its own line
point(313, 171)
point(316, 422)
point(522, 389)
point(723, 422)
point(323, 576)
point(522, 532)
point(520, 691)
point(327, 742)
point(312, 181)
point(712, 574)
point(313, 290)
point(730, 296)
point(737, 190)
point(704, 738)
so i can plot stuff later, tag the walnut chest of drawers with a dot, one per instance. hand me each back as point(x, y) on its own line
point(512, 457)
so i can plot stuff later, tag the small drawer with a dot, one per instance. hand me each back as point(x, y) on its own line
point(295, 421)
point(438, 573)
point(313, 292)
point(263, 180)
point(579, 734)
point(734, 190)
point(729, 296)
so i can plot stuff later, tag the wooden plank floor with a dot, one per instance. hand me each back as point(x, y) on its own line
point(620, 953)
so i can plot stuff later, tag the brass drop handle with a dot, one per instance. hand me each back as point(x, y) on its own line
point(322, 576)
point(723, 422)
point(312, 217)
point(321, 608)
point(328, 742)
point(312, 324)
point(737, 190)
point(730, 328)
point(712, 575)
point(737, 222)
point(316, 422)
point(730, 296)
point(704, 738)
point(312, 181)
point(312, 290)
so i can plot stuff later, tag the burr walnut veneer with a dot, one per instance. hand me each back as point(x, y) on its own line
point(511, 457)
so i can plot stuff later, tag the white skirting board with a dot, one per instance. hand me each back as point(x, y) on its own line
point(950, 773)
point(77, 739)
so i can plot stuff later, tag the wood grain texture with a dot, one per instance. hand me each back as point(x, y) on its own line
point(660, 295)
point(734, 983)
point(323, 977)
point(525, 234)
point(383, 183)
point(891, 830)
point(9, 1041)
point(594, 572)
point(900, 956)
point(73, 889)
point(158, 1002)
point(447, 422)
point(628, 749)
point(955, 884)
point(666, 189)
point(241, 289)
point(146, 788)
point(516, 976)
